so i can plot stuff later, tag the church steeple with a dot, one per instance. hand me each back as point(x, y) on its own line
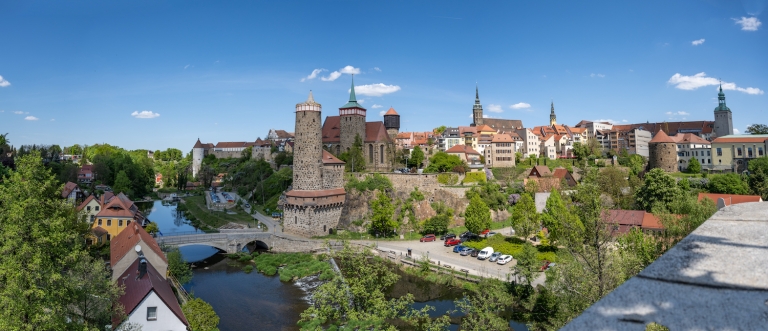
point(723, 116)
point(352, 97)
point(477, 110)
point(552, 116)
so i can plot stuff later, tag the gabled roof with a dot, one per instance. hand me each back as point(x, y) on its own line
point(470, 129)
point(650, 221)
point(502, 138)
point(86, 201)
point(282, 134)
point(376, 131)
point(730, 199)
point(689, 138)
point(503, 125)
point(136, 289)
point(560, 172)
point(99, 231)
point(405, 135)
point(391, 111)
point(745, 138)
point(456, 149)
point(127, 239)
point(230, 144)
point(331, 131)
point(485, 128)
point(543, 171)
point(118, 207)
point(68, 188)
point(328, 158)
point(661, 137)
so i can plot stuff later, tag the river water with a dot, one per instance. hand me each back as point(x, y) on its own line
point(257, 302)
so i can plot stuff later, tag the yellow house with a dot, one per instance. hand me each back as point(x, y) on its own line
point(732, 152)
point(115, 215)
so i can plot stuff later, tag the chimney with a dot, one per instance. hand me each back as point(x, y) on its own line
point(142, 268)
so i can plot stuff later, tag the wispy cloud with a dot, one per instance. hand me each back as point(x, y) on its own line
point(377, 69)
point(748, 23)
point(4, 83)
point(624, 121)
point(349, 70)
point(736, 131)
point(700, 80)
point(18, 112)
point(596, 75)
point(314, 74)
point(144, 114)
point(382, 112)
point(31, 118)
point(495, 108)
point(376, 90)
point(376, 106)
point(331, 77)
point(520, 105)
point(698, 42)
point(360, 100)
point(186, 66)
point(606, 120)
point(681, 113)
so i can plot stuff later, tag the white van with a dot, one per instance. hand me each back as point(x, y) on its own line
point(485, 253)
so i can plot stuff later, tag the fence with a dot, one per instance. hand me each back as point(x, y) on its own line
point(181, 293)
point(191, 239)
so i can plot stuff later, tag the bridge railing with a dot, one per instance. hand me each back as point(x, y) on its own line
point(181, 233)
point(191, 238)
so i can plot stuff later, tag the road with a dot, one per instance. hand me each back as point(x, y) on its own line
point(272, 225)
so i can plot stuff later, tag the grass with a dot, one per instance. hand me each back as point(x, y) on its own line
point(214, 219)
point(290, 265)
point(461, 229)
point(512, 246)
point(511, 174)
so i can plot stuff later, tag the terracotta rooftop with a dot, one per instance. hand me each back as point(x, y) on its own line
point(86, 201)
point(137, 289)
point(560, 172)
point(755, 138)
point(68, 188)
point(315, 193)
point(542, 170)
point(624, 219)
point(456, 149)
point(282, 134)
point(198, 144)
point(374, 131)
point(230, 144)
point(99, 231)
point(127, 239)
point(502, 138)
point(730, 199)
point(650, 221)
point(661, 137)
point(503, 125)
point(485, 128)
point(328, 158)
point(391, 111)
point(689, 138)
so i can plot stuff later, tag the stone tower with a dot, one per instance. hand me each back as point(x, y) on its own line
point(352, 121)
point(552, 116)
point(308, 147)
point(477, 110)
point(663, 152)
point(723, 116)
point(392, 122)
point(197, 157)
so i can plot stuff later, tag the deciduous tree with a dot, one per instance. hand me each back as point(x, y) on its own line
point(381, 214)
point(525, 219)
point(559, 219)
point(757, 129)
point(658, 188)
point(477, 217)
point(694, 167)
point(200, 315)
point(728, 184)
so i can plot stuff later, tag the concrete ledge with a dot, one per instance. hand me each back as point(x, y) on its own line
point(716, 278)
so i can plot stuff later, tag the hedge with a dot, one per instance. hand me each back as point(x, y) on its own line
point(472, 177)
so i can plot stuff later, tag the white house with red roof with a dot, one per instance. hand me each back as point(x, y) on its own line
point(148, 300)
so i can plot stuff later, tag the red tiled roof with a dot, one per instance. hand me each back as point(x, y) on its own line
point(315, 193)
point(136, 289)
point(542, 170)
point(120, 207)
point(502, 138)
point(230, 144)
point(560, 172)
point(198, 144)
point(127, 239)
point(282, 134)
point(404, 135)
point(374, 131)
point(391, 111)
point(463, 129)
point(328, 158)
point(462, 149)
point(87, 200)
point(99, 231)
point(485, 128)
point(650, 221)
point(68, 188)
point(730, 199)
point(502, 124)
point(742, 139)
point(661, 137)
point(689, 138)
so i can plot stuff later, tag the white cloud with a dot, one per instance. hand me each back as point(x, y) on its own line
point(350, 70)
point(749, 23)
point(495, 108)
point(597, 75)
point(700, 80)
point(698, 42)
point(376, 90)
point(681, 113)
point(486, 116)
point(314, 74)
point(520, 105)
point(360, 100)
point(186, 66)
point(606, 120)
point(333, 76)
point(381, 113)
point(377, 69)
point(18, 112)
point(31, 118)
point(53, 120)
point(145, 114)
point(4, 83)
point(736, 131)
point(624, 121)
point(376, 106)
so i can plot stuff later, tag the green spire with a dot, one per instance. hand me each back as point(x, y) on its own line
point(352, 97)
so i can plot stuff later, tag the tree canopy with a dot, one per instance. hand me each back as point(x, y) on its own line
point(444, 162)
point(477, 216)
point(525, 219)
point(658, 188)
point(728, 184)
point(757, 129)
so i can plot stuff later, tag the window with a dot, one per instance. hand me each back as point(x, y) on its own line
point(749, 151)
point(381, 153)
point(88, 208)
point(120, 223)
point(99, 222)
point(709, 153)
point(759, 151)
point(719, 151)
point(97, 208)
point(370, 153)
point(128, 222)
point(738, 151)
point(109, 222)
point(109, 237)
point(709, 161)
point(151, 313)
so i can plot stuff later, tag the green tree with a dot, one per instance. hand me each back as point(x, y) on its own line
point(527, 263)
point(417, 157)
point(757, 129)
point(152, 228)
point(694, 167)
point(658, 188)
point(439, 129)
point(483, 307)
point(444, 162)
point(580, 151)
point(728, 184)
point(559, 219)
point(477, 217)
point(525, 219)
point(200, 315)
point(758, 177)
point(613, 182)
point(636, 164)
point(177, 267)
point(122, 184)
point(638, 250)
point(437, 224)
point(354, 157)
point(381, 215)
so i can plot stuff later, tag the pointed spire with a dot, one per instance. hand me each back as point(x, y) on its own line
point(553, 107)
point(352, 97)
point(310, 99)
point(477, 94)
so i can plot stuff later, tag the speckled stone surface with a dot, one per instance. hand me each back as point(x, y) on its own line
point(714, 279)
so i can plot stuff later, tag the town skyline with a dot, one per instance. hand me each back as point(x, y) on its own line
point(239, 86)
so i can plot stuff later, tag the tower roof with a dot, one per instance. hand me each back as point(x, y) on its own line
point(721, 101)
point(661, 137)
point(352, 98)
point(391, 111)
point(553, 108)
point(310, 100)
point(477, 95)
point(198, 144)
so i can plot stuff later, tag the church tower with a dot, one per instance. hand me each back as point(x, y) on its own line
point(308, 147)
point(552, 116)
point(477, 110)
point(352, 121)
point(392, 122)
point(723, 116)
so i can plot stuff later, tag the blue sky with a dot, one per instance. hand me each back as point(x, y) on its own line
point(76, 72)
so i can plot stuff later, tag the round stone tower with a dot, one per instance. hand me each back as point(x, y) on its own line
point(352, 121)
point(308, 147)
point(197, 157)
point(392, 122)
point(663, 152)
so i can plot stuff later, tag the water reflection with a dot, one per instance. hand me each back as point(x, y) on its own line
point(166, 216)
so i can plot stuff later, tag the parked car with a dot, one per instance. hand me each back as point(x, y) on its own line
point(467, 251)
point(485, 253)
point(466, 233)
point(428, 238)
point(452, 242)
point(447, 236)
point(475, 253)
point(504, 259)
point(494, 257)
point(551, 265)
point(458, 248)
point(545, 265)
point(485, 232)
point(490, 234)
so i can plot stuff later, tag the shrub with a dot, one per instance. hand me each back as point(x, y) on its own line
point(416, 195)
point(512, 246)
point(472, 177)
point(248, 269)
point(448, 178)
point(370, 183)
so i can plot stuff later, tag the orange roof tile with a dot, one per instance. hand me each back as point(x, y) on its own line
point(391, 111)
point(689, 138)
point(742, 139)
point(502, 138)
point(650, 221)
point(462, 149)
point(128, 238)
point(661, 137)
point(328, 158)
point(315, 193)
point(730, 199)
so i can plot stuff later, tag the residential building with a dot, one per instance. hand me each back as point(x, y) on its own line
point(540, 171)
point(733, 152)
point(501, 153)
point(691, 146)
point(91, 206)
point(531, 142)
point(279, 136)
point(622, 221)
point(470, 136)
point(116, 214)
point(547, 146)
point(563, 174)
point(467, 154)
point(232, 149)
point(123, 251)
point(85, 175)
point(450, 138)
point(71, 192)
point(148, 299)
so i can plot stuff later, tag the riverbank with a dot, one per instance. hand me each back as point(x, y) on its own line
point(196, 211)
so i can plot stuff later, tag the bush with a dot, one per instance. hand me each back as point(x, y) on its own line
point(370, 183)
point(448, 178)
point(294, 265)
point(248, 269)
point(472, 177)
point(416, 195)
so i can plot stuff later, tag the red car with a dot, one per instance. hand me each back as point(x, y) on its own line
point(545, 265)
point(485, 232)
point(426, 238)
point(452, 242)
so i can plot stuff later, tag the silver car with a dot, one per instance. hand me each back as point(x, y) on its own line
point(504, 259)
point(494, 256)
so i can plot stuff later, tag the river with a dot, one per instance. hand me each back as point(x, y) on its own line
point(257, 302)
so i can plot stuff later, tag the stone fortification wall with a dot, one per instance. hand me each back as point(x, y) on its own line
point(333, 176)
point(351, 126)
point(406, 182)
point(225, 154)
point(308, 152)
point(311, 221)
point(663, 156)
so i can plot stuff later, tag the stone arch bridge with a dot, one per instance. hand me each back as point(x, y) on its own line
point(233, 240)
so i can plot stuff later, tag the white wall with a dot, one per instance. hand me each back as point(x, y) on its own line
point(166, 319)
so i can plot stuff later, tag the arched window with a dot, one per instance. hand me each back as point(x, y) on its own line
point(370, 153)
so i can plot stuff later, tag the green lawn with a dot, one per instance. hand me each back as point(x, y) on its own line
point(214, 219)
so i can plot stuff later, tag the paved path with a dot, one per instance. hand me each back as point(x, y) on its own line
point(272, 225)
